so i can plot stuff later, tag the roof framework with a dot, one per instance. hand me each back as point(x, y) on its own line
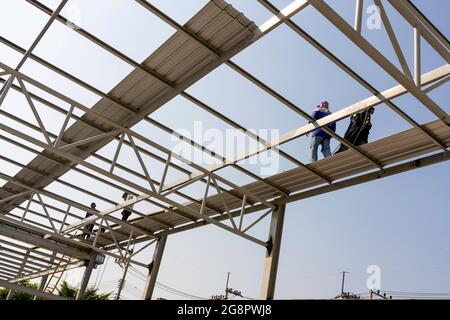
point(40, 229)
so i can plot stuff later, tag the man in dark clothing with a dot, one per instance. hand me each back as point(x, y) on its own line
point(89, 227)
point(320, 137)
point(358, 130)
point(126, 212)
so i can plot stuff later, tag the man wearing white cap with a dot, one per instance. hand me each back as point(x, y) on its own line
point(320, 137)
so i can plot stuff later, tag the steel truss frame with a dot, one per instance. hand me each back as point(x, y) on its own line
point(35, 263)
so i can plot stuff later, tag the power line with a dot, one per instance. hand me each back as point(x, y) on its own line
point(104, 268)
point(181, 294)
point(163, 287)
point(420, 293)
point(136, 276)
point(141, 276)
point(137, 272)
point(175, 293)
point(407, 295)
point(131, 289)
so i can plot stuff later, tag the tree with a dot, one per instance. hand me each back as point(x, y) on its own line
point(69, 291)
point(17, 294)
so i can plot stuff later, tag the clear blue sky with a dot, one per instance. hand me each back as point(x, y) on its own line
point(399, 223)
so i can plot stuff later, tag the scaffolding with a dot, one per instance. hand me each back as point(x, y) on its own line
point(46, 242)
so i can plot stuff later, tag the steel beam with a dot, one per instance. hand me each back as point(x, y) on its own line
point(362, 105)
point(87, 174)
point(30, 264)
point(358, 15)
point(34, 292)
point(271, 24)
point(7, 85)
point(415, 22)
point(290, 10)
point(338, 62)
point(393, 39)
point(33, 250)
point(379, 174)
point(15, 265)
point(109, 98)
point(281, 16)
point(188, 212)
point(284, 15)
point(381, 60)
point(35, 236)
point(52, 18)
point(14, 196)
point(101, 158)
point(45, 273)
point(96, 91)
point(428, 24)
point(77, 205)
point(91, 139)
point(436, 84)
point(113, 124)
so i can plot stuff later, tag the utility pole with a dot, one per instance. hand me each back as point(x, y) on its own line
point(226, 286)
point(122, 280)
point(343, 281)
point(346, 295)
point(227, 291)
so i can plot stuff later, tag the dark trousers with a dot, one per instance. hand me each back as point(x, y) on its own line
point(126, 214)
point(88, 230)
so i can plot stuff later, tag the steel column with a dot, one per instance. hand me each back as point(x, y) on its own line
point(153, 268)
point(86, 277)
point(42, 285)
point(273, 253)
point(358, 15)
point(417, 64)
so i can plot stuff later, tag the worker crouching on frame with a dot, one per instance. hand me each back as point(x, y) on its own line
point(89, 227)
point(358, 130)
point(126, 212)
point(319, 137)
